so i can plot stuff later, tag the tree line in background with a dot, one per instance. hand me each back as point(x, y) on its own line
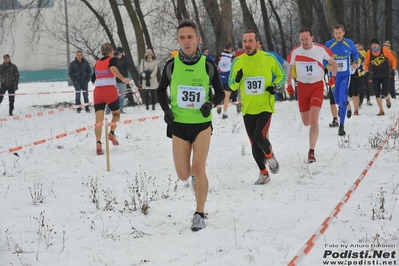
point(136, 25)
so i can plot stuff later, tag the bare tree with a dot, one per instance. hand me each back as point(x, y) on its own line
point(266, 25)
point(388, 20)
point(180, 9)
point(306, 12)
point(280, 27)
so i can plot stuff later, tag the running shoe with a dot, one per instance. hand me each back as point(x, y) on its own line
point(262, 179)
point(198, 223)
point(311, 158)
point(113, 139)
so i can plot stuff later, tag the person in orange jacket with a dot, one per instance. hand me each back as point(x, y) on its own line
point(380, 63)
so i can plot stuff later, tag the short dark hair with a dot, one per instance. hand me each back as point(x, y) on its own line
point(252, 31)
point(79, 52)
point(188, 23)
point(306, 29)
point(227, 45)
point(339, 26)
point(6, 56)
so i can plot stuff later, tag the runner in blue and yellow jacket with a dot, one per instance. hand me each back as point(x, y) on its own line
point(346, 55)
point(253, 73)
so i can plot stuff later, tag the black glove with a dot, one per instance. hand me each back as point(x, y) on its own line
point(168, 117)
point(206, 109)
point(272, 89)
point(15, 87)
point(326, 72)
point(392, 72)
point(360, 68)
point(239, 76)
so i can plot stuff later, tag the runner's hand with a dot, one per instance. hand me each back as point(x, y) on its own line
point(272, 89)
point(239, 76)
point(331, 82)
point(290, 90)
point(168, 117)
point(206, 109)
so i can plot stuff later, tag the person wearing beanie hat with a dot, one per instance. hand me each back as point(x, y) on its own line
point(391, 89)
point(149, 52)
point(174, 53)
point(381, 63)
point(347, 56)
point(375, 41)
point(148, 77)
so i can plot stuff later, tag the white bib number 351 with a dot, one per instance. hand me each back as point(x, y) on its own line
point(190, 96)
point(254, 85)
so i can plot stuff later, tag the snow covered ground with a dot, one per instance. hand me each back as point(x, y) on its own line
point(59, 205)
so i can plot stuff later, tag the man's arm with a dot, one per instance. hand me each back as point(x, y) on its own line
point(216, 84)
point(155, 69)
point(333, 66)
point(71, 73)
point(16, 75)
point(233, 72)
point(163, 85)
point(126, 62)
point(88, 70)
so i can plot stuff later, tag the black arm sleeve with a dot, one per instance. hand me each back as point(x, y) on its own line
point(93, 76)
point(163, 85)
point(216, 83)
point(113, 62)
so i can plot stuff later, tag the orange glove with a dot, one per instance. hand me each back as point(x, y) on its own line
point(290, 90)
point(331, 82)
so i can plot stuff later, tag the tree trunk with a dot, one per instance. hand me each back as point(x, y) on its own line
point(139, 38)
point(249, 22)
point(323, 29)
point(199, 25)
point(227, 24)
point(137, 31)
point(266, 25)
point(101, 21)
point(306, 12)
point(388, 21)
point(212, 9)
point(143, 24)
point(280, 27)
point(335, 12)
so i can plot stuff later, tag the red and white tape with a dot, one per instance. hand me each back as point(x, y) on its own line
point(79, 130)
point(40, 114)
point(304, 251)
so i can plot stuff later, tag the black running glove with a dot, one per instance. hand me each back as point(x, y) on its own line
point(168, 117)
point(15, 86)
point(272, 89)
point(239, 76)
point(206, 109)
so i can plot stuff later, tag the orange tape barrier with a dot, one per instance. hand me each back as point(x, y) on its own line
point(40, 114)
point(41, 93)
point(324, 226)
point(79, 130)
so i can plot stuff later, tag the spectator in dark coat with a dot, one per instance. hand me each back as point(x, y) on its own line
point(80, 73)
point(9, 81)
point(122, 65)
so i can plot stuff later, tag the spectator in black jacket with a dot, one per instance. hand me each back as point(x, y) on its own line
point(9, 81)
point(80, 73)
point(123, 64)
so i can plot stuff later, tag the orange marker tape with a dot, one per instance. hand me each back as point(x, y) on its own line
point(321, 230)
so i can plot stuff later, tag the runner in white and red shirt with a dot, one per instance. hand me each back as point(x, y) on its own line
point(306, 61)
